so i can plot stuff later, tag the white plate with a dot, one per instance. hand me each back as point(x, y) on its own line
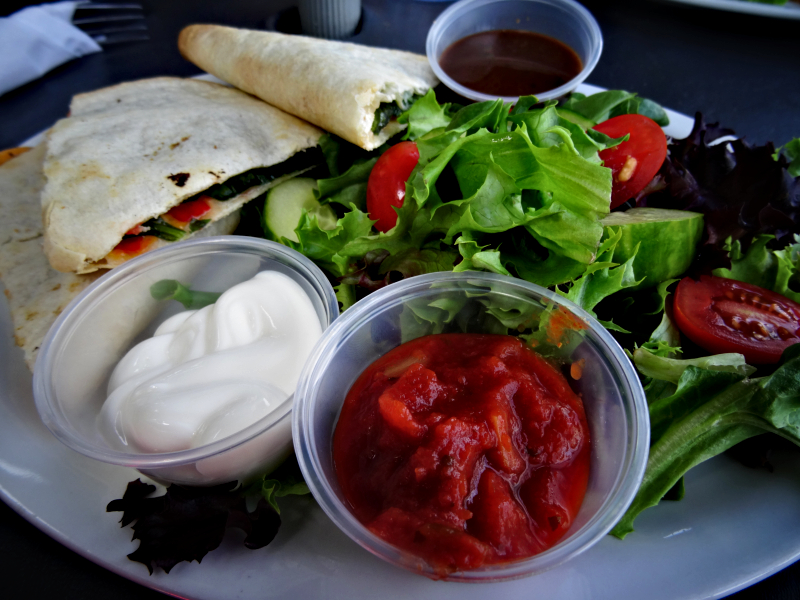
point(735, 526)
point(790, 10)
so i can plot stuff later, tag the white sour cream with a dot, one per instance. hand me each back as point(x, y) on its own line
point(208, 373)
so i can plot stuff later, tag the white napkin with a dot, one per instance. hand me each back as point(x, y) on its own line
point(37, 39)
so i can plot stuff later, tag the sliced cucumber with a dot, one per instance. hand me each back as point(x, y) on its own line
point(668, 240)
point(577, 118)
point(285, 203)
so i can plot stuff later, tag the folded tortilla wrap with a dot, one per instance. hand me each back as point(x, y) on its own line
point(36, 293)
point(338, 86)
point(130, 153)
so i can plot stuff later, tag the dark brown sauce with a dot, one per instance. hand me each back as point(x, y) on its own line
point(507, 62)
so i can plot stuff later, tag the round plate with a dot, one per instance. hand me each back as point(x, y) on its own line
point(734, 527)
point(790, 10)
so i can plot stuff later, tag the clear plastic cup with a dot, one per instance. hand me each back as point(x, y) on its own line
point(117, 311)
point(564, 20)
point(615, 404)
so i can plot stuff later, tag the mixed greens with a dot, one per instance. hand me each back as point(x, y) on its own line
point(186, 522)
point(520, 190)
point(525, 199)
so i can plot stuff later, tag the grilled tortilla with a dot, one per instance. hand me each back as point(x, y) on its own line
point(351, 90)
point(36, 293)
point(129, 154)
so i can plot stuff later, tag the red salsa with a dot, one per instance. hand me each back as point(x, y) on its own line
point(463, 449)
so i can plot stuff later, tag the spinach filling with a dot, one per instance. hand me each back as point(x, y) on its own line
point(244, 181)
point(233, 187)
point(161, 229)
point(391, 110)
point(198, 224)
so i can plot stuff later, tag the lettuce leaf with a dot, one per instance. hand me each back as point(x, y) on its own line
point(349, 188)
point(650, 364)
point(520, 194)
point(602, 279)
point(792, 153)
point(324, 245)
point(709, 412)
point(775, 270)
point(612, 103)
point(286, 480)
point(425, 115)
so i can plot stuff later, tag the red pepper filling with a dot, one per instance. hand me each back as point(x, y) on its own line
point(130, 247)
point(187, 211)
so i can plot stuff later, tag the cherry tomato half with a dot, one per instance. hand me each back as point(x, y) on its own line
point(386, 187)
point(635, 162)
point(724, 315)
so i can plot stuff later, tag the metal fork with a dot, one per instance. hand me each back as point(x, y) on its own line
point(111, 23)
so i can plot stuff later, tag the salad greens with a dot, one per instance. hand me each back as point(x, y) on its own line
point(792, 153)
point(512, 191)
point(742, 190)
point(711, 409)
point(605, 105)
point(521, 191)
point(775, 270)
point(186, 522)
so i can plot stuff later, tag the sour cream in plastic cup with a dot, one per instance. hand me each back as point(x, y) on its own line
point(118, 310)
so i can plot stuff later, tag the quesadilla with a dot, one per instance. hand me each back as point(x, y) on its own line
point(9, 153)
point(142, 164)
point(351, 90)
point(36, 293)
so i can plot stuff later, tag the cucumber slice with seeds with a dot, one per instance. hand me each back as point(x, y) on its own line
point(284, 206)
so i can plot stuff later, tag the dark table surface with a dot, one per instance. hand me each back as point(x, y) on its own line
point(738, 69)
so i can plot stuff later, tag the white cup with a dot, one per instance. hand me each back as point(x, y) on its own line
point(331, 19)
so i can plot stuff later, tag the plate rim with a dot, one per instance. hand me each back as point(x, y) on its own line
point(171, 584)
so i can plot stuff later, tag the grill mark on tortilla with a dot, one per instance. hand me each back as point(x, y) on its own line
point(179, 179)
point(176, 144)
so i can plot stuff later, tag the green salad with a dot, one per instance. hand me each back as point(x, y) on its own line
point(686, 250)
point(548, 193)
